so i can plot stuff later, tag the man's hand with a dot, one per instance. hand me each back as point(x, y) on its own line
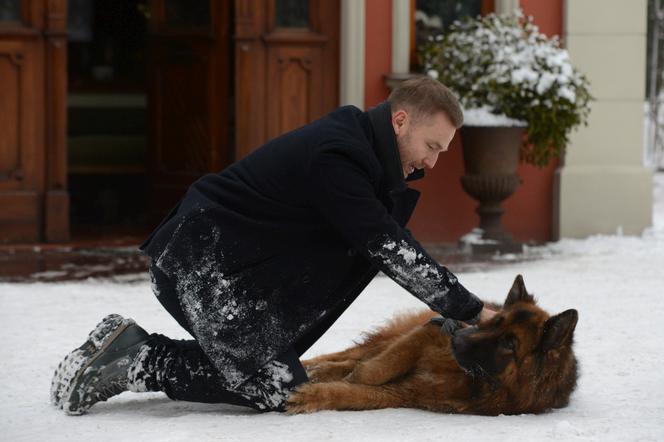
point(486, 314)
point(447, 326)
point(450, 326)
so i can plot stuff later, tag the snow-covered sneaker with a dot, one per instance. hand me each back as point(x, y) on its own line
point(97, 370)
point(71, 364)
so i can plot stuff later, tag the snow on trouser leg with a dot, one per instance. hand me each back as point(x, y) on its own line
point(181, 369)
point(270, 387)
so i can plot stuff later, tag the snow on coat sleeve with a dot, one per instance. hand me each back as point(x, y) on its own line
point(343, 192)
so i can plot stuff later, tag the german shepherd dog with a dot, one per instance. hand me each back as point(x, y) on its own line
point(520, 361)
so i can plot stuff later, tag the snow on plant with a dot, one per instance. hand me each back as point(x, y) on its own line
point(505, 63)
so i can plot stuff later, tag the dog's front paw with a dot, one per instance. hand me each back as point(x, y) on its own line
point(306, 398)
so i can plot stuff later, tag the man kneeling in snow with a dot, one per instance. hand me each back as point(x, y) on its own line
point(258, 261)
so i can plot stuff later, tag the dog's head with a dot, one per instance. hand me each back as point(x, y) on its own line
point(521, 338)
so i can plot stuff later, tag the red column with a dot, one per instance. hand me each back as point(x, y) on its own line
point(378, 50)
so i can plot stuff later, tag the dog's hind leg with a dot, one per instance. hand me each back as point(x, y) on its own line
point(395, 360)
point(341, 395)
point(353, 353)
point(327, 371)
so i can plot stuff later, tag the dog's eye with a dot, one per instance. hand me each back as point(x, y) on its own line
point(508, 342)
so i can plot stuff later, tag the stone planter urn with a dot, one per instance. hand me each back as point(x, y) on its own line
point(491, 157)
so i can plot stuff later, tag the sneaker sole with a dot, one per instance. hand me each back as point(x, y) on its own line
point(75, 363)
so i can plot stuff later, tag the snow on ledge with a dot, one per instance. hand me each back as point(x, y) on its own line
point(484, 117)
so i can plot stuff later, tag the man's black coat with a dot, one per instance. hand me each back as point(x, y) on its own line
point(281, 242)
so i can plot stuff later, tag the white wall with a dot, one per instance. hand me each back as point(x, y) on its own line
point(603, 186)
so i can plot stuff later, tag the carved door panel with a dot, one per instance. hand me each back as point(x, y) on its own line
point(21, 123)
point(190, 69)
point(287, 64)
point(34, 202)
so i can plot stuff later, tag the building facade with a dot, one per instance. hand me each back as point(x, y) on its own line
point(108, 110)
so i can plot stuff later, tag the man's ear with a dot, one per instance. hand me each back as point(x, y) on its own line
point(518, 293)
point(558, 330)
point(399, 121)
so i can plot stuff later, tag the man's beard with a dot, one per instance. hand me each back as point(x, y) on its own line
point(403, 142)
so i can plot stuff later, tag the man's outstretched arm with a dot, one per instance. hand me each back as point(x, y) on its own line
point(345, 195)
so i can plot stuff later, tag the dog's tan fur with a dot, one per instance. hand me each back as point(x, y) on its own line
point(519, 362)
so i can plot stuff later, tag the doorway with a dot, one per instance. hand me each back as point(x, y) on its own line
point(114, 111)
point(162, 92)
point(107, 115)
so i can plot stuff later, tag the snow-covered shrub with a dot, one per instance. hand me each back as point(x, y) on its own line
point(505, 63)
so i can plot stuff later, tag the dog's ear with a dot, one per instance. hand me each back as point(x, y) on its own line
point(518, 293)
point(558, 330)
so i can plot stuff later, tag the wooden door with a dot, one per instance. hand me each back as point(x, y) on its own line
point(33, 197)
point(190, 67)
point(286, 66)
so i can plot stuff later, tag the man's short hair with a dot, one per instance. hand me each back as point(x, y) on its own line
point(423, 97)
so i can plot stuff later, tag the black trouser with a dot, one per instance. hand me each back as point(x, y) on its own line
point(181, 369)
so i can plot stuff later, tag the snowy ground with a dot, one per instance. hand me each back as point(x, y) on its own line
point(616, 283)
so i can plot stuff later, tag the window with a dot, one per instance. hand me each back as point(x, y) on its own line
point(10, 10)
point(433, 17)
point(292, 13)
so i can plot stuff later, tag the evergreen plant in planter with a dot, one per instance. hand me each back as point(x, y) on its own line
point(522, 98)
